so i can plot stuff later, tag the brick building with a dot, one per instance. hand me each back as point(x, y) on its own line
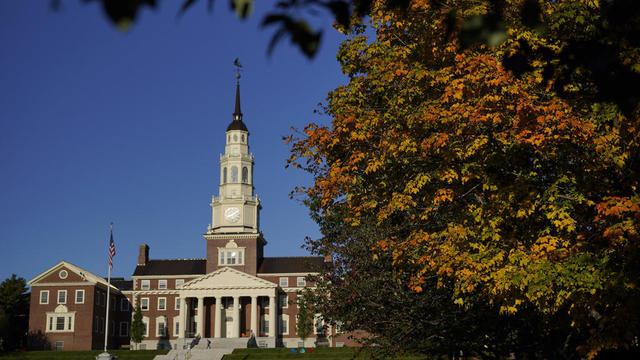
point(227, 296)
point(68, 308)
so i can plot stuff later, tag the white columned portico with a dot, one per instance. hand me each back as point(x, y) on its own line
point(236, 316)
point(183, 316)
point(272, 316)
point(218, 318)
point(200, 322)
point(254, 315)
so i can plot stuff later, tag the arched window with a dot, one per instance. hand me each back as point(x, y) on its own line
point(242, 137)
point(234, 174)
point(224, 175)
point(245, 175)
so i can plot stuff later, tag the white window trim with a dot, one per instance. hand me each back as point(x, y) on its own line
point(141, 301)
point(160, 286)
point(301, 281)
point(44, 292)
point(284, 281)
point(55, 345)
point(176, 305)
point(179, 282)
point(286, 302)
point(176, 326)
point(283, 330)
point(165, 303)
point(76, 298)
point(145, 321)
point(145, 284)
point(65, 296)
point(126, 328)
point(69, 321)
point(161, 320)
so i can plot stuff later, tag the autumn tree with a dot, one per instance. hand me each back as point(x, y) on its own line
point(517, 189)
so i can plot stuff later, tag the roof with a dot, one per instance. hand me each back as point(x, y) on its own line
point(88, 276)
point(298, 264)
point(122, 284)
point(237, 125)
point(172, 267)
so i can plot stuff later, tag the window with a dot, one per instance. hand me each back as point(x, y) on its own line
point(284, 301)
point(298, 300)
point(60, 323)
point(44, 296)
point(264, 325)
point(79, 296)
point(179, 282)
point(177, 304)
point(234, 174)
point(284, 281)
point(265, 302)
point(59, 345)
point(224, 175)
point(283, 320)
point(161, 328)
point(124, 304)
point(62, 296)
point(124, 328)
point(301, 281)
point(145, 322)
point(318, 325)
point(242, 137)
point(231, 254)
point(63, 274)
point(162, 284)
point(60, 320)
point(162, 303)
point(145, 284)
point(144, 304)
point(176, 326)
point(245, 174)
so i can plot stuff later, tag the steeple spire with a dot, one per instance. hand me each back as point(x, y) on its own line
point(237, 114)
point(237, 123)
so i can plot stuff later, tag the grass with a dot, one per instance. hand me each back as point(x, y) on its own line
point(82, 355)
point(321, 353)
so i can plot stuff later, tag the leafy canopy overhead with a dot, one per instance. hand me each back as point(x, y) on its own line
point(518, 187)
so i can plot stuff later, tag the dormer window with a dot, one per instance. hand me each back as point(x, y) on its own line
point(231, 254)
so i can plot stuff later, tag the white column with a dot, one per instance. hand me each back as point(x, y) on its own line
point(273, 311)
point(183, 318)
point(254, 315)
point(218, 317)
point(199, 326)
point(236, 316)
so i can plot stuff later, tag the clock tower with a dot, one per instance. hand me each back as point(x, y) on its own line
point(233, 237)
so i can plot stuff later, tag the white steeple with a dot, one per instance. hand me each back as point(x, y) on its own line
point(236, 208)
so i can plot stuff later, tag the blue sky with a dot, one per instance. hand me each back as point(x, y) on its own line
point(97, 125)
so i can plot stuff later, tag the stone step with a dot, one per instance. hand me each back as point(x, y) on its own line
point(194, 354)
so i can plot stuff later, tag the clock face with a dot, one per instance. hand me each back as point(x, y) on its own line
point(232, 214)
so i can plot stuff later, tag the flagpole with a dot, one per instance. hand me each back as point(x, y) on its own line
point(106, 323)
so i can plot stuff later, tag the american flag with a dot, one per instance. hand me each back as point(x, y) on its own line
point(112, 250)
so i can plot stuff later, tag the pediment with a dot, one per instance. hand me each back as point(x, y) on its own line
point(228, 278)
point(75, 275)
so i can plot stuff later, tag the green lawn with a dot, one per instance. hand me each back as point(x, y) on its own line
point(83, 355)
point(323, 353)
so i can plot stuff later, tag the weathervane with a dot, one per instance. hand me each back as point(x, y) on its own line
point(238, 66)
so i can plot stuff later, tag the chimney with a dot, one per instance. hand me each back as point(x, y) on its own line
point(143, 254)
